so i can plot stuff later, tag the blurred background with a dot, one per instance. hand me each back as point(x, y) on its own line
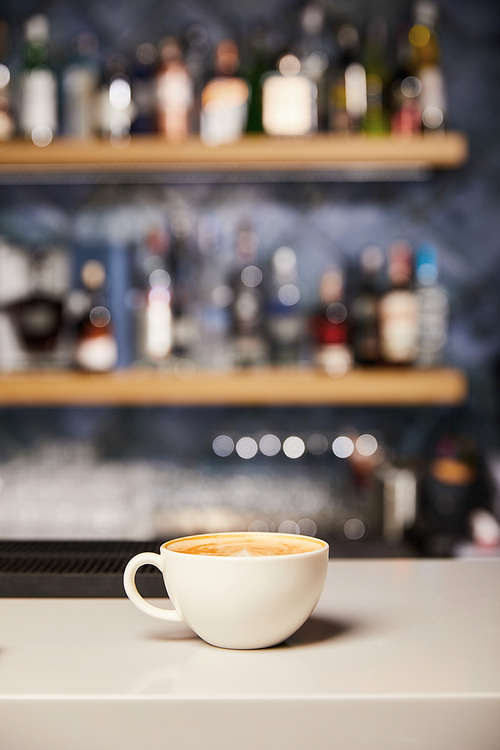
point(156, 259)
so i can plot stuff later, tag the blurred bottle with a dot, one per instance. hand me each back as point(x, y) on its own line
point(405, 105)
point(142, 81)
point(289, 100)
point(154, 312)
point(224, 99)
point(364, 307)
point(426, 65)
point(451, 487)
point(174, 92)
point(7, 120)
point(399, 309)
point(96, 348)
point(260, 59)
point(248, 303)
point(196, 56)
point(348, 93)
point(214, 297)
point(314, 55)
point(329, 325)
point(375, 59)
point(283, 316)
point(38, 118)
point(80, 86)
point(39, 316)
point(185, 285)
point(14, 286)
point(433, 307)
point(117, 110)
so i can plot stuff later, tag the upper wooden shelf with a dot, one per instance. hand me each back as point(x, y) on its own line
point(320, 153)
point(266, 387)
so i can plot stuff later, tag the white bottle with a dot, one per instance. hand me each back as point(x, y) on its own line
point(38, 105)
point(224, 99)
point(289, 100)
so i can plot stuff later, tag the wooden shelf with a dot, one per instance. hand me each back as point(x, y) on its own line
point(321, 153)
point(273, 387)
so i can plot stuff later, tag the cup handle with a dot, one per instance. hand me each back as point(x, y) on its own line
point(145, 558)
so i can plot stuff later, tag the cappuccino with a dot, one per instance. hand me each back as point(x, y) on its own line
point(236, 589)
point(245, 544)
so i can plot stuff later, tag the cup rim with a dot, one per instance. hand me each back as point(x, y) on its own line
point(322, 544)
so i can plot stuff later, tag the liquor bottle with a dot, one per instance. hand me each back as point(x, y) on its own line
point(283, 316)
point(364, 307)
point(185, 270)
point(96, 348)
point(375, 60)
point(289, 100)
point(405, 105)
point(174, 92)
point(214, 298)
point(142, 83)
point(433, 308)
point(153, 281)
point(80, 86)
point(14, 286)
point(224, 98)
point(314, 55)
point(196, 57)
point(329, 325)
point(39, 316)
point(259, 60)
point(399, 309)
point(7, 122)
point(38, 118)
point(348, 93)
point(117, 109)
point(426, 64)
point(248, 303)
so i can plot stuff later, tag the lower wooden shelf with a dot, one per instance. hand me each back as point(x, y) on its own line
point(266, 387)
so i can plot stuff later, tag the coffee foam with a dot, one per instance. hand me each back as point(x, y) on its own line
point(245, 545)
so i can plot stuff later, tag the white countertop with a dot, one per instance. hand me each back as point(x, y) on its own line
point(398, 655)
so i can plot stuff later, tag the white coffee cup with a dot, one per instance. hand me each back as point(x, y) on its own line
point(237, 590)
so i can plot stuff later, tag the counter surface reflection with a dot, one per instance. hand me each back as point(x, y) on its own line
point(398, 653)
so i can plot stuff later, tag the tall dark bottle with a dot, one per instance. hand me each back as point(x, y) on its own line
point(284, 322)
point(329, 325)
point(347, 91)
point(364, 307)
point(258, 61)
point(248, 304)
point(314, 55)
point(375, 59)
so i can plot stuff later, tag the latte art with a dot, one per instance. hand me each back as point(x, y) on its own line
point(245, 545)
point(236, 589)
